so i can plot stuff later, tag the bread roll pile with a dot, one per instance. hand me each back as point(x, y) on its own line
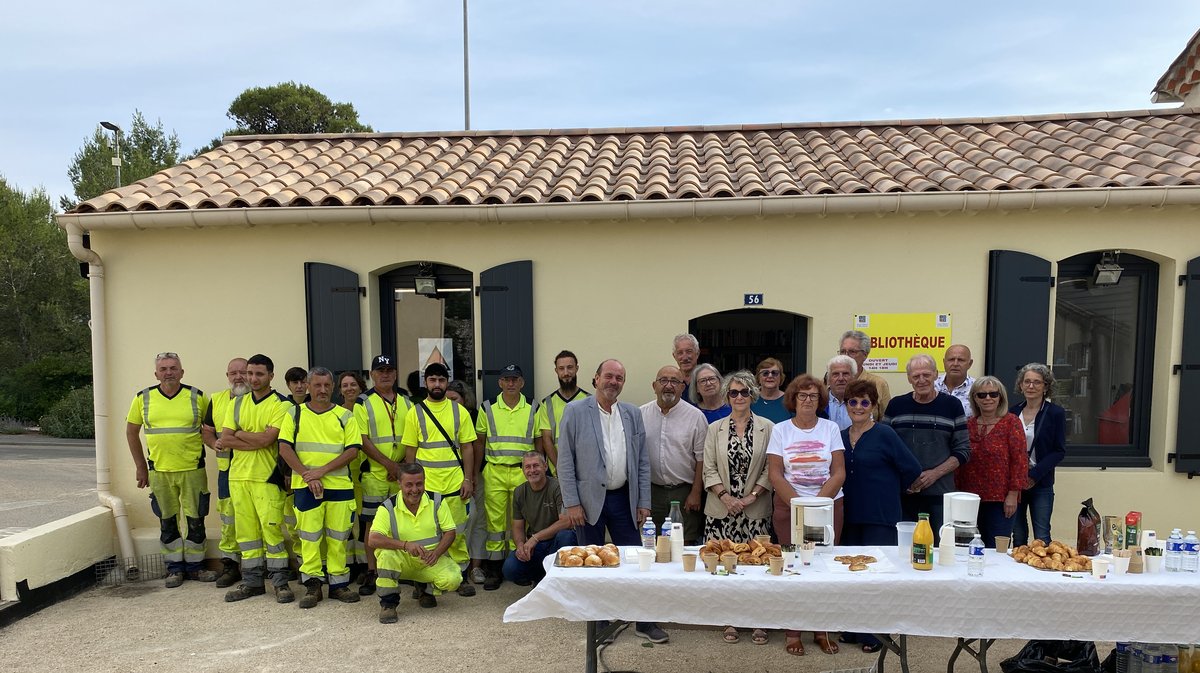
point(1053, 556)
point(752, 553)
point(589, 556)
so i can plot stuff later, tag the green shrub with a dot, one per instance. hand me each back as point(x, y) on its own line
point(28, 392)
point(11, 426)
point(72, 416)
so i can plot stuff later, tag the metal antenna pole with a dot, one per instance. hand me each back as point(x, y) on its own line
point(466, 74)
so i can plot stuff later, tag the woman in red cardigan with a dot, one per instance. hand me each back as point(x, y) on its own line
point(999, 466)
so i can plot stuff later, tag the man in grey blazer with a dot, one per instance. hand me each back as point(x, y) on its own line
point(604, 470)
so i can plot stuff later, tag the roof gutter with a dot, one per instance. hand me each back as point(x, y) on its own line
point(100, 393)
point(770, 206)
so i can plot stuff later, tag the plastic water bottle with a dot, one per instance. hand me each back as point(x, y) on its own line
point(1173, 558)
point(1169, 659)
point(975, 557)
point(1190, 562)
point(666, 528)
point(648, 533)
point(1135, 658)
point(1122, 657)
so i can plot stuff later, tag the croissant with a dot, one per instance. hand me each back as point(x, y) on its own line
point(1036, 543)
point(592, 560)
point(573, 561)
point(1071, 566)
point(610, 557)
point(1057, 556)
point(1040, 551)
point(1037, 562)
point(1020, 554)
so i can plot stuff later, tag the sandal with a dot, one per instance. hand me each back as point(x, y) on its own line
point(759, 637)
point(794, 646)
point(821, 638)
point(731, 635)
point(872, 649)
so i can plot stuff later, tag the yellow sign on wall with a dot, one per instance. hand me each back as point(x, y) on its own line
point(896, 337)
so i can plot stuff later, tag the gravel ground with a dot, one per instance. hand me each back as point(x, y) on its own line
point(145, 627)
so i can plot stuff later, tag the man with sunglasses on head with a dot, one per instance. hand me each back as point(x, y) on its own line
point(857, 345)
point(170, 413)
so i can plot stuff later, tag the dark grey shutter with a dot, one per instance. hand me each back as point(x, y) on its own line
point(1187, 437)
point(332, 296)
point(1018, 313)
point(506, 309)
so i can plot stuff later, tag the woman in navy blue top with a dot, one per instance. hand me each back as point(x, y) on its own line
point(1045, 425)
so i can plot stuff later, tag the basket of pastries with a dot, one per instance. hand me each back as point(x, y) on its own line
point(1053, 556)
point(591, 556)
point(752, 553)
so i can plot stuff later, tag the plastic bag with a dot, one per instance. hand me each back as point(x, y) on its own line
point(1054, 656)
point(1088, 542)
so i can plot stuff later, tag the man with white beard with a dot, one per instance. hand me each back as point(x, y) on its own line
point(675, 444)
point(231, 556)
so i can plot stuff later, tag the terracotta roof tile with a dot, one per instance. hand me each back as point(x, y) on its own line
point(1107, 149)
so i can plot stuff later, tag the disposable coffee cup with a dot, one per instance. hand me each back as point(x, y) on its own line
point(1153, 563)
point(1002, 542)
point(729, 560)
point(645, 559)
point(764, 540)
point(789, 559)
point(1100, 568)
point(689, 562)
point(710, 562)
point(1120, 564)
point(806, 555)
point(776, 565)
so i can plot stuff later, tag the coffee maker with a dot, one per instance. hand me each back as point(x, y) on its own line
point(812, 520)
point(960, 514)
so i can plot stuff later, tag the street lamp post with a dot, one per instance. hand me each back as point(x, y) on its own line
point(116, 160)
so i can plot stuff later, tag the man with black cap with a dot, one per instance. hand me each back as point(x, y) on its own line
point(507, 427)
point(380, 414)
point(439, 436)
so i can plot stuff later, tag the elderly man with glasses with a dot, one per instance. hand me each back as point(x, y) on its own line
point(675, 444)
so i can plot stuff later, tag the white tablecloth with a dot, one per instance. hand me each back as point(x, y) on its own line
point(1010, 600)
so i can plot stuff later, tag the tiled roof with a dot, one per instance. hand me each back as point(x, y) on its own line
point(1107, 149)
point(1179, 79)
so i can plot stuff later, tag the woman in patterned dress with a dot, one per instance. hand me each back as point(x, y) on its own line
point(735, 473)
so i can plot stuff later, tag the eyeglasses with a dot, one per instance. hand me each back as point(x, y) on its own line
point(770, 372)
point(733, 392)
point(808, 397)
point(857, 403)
point(707, 380)
point(1033, 382)
point(987, 393)
point(850, 351)
point(669, 382)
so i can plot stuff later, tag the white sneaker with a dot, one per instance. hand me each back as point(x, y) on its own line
point(478, 576)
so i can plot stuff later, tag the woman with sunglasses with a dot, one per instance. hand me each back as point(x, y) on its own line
point(735, 474)
point(999, 467)
point(769, 405)
point(879, 467)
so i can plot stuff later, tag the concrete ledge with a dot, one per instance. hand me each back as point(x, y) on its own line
point(43, 555)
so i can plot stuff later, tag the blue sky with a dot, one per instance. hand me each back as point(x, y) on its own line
point(66, 65)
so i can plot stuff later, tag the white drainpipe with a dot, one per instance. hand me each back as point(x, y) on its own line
point(100, 391)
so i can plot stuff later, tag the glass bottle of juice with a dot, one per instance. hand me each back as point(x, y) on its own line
point(922, 546)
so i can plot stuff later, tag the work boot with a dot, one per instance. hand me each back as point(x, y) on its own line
point(173, 579)
point(283, 594)
point(343, 594)
point(231, 574)
point(243, 592)
point(203, 575)
point(387, 614)
point(494, 577)
point(418, 590)
point(466, 589)
point(312, 594)
point(368, 584)
point(428, 600)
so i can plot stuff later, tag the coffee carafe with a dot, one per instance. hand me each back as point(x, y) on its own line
point(812, 520)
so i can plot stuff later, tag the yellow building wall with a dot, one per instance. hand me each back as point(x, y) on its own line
point(624, 288)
